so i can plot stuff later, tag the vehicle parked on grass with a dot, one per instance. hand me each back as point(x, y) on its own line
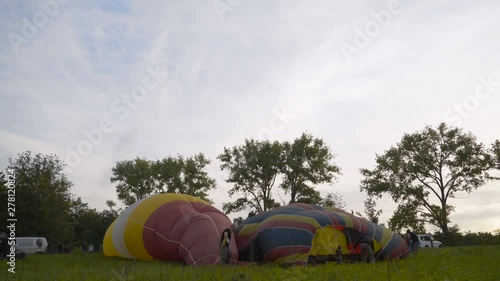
point(427, 241)
point(32, 245)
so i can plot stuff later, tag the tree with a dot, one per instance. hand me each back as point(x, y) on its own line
point(111, 212)
point(237, 221)
point(90, 225)
point(141, 178)
point(82, 219)
point(371, 213)
point(306, 162)
point(496, 154)
point(334, 200)
point(135, 180)
point(109, 215)
point(406, 216)
point(253, 168)
point(184, 175)
point(431, 164)
point(43, 199)
point(453, 238)
point(4, 197)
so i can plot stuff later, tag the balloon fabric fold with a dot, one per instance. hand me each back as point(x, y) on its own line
point(171, 227)
point(303, 233)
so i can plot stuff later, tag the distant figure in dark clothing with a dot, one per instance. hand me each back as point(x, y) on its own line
point(4, 245)
point(225, 240)
point(414, 242)
point(367, 249)
point(60, 248)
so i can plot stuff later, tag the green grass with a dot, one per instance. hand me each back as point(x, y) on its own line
point(451, 264)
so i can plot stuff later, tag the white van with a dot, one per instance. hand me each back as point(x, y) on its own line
point(32, 245)
point(427, 241)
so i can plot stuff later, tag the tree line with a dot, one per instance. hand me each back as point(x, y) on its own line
point(468, 238)
point(44, 206)
point(421, 173)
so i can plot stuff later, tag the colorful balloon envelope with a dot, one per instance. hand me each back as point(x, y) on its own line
point(172, 227)
point(303, 233)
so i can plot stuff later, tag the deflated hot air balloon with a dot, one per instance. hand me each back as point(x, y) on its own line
point(174, 227)
point(303, 233)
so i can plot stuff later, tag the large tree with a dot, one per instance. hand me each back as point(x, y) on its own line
point(253, 168)
point(140, 178)
point(135, 180)
point(43, 199)
point(306, 162)
point(428, 167)
point(184, 175)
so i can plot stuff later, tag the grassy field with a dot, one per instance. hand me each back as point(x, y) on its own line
point(461, 263)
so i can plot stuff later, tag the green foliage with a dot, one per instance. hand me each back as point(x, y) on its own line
point(371, 213)
point(4, 198)
point(45, 207)
point(89, 225)
point(140, 178)
point(457, 264)
point(457, 238)
point(306, 162)
point(334, 200)
point(185, 175)
point(496, 154)
point(134, 180)
point(406, 216)
point(431, 164)
point(253, 168)
point(238, 220)
point(43, 199)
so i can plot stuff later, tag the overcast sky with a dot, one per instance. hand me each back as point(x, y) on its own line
point(97, 82)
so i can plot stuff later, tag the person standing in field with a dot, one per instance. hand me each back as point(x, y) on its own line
point(225, 240)
point(408, 241)
point(414, 242)
point(366, 245)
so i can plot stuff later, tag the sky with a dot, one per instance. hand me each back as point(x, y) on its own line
point(96, 82)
